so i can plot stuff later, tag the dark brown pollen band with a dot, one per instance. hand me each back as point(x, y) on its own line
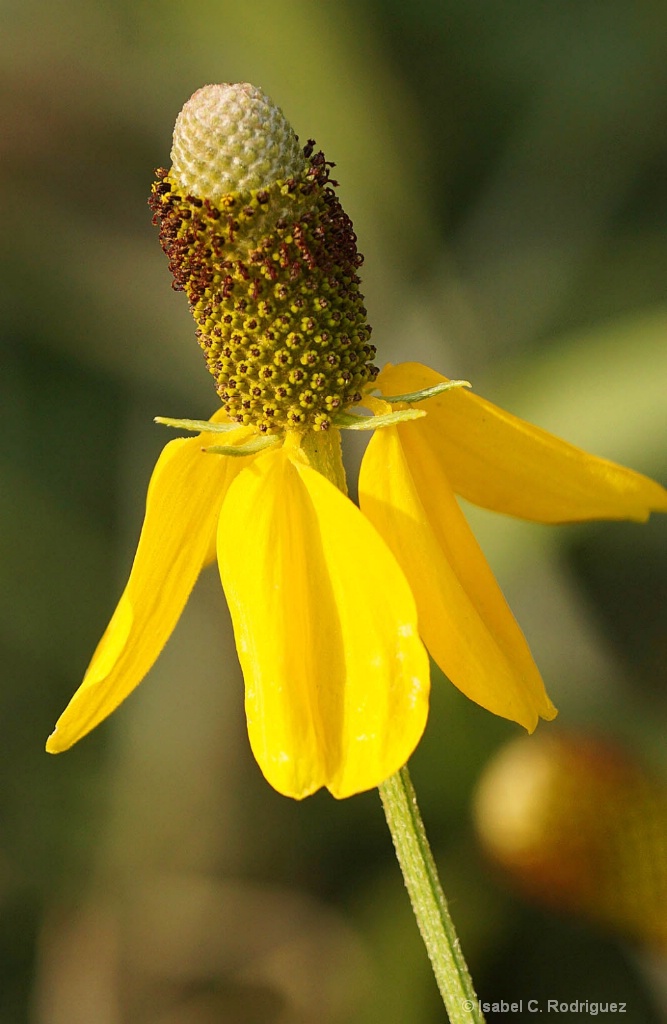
point(271, 278)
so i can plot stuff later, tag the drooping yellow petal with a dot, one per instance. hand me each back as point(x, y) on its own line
point(336, 676)
point(182, 507)
point(463, 616)
point(503, 463)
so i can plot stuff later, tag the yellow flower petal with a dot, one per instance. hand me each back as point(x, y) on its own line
point(336, 676)
point(463, 616)
point(182, 508)
point(503, 463)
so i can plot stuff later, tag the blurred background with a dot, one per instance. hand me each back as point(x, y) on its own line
point(505, 166)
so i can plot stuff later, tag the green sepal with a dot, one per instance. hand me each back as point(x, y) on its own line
point(197, 426)
point(421, 396)
point(251, 447)
point(349, 421)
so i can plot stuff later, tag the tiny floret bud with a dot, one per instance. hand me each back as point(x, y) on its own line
point(229, 138)
point(256, 237)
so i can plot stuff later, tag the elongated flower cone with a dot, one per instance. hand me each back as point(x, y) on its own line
point(578, 825)
point(258, 240)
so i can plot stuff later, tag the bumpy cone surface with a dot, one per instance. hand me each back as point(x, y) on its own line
point(257, 239)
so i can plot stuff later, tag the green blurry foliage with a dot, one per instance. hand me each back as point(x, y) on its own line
point(504, 165)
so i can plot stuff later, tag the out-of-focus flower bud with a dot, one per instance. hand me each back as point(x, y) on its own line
point(578, 825)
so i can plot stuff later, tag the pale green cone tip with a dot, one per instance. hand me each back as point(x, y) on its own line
point(232, 137)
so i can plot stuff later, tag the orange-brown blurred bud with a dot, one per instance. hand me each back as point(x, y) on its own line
point(579, 825)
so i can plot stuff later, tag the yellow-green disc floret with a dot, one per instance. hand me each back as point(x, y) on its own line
point(269, 268)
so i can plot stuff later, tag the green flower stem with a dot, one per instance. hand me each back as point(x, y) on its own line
point(324, 454)
point(428, 900)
